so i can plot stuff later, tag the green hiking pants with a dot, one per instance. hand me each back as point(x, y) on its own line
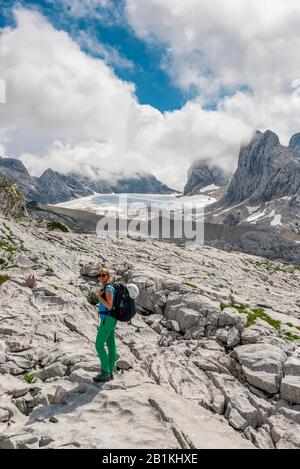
point(106, 335)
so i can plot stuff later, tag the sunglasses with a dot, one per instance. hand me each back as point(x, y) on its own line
point(102, 275)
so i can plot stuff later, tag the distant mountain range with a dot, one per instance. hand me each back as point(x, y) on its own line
point(266, 171)
point(257, 209)
point(53, 187)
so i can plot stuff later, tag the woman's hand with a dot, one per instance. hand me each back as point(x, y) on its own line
point(100, 293)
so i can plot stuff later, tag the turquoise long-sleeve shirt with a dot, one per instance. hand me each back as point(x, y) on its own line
point(103, 308)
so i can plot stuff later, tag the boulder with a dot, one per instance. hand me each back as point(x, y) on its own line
point(60, 396)
point(233, 338)
point(262, 365)
point(284, 432)
point(290, 389)
point(235, 419)
point(261, 437)
point(230, 317)
point(4, 415)
point(173, 325)
point(222, 335)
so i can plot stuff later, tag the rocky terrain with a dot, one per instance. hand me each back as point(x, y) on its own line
point(211, 360)
point(53, 187)
point(12, 202)
point(202, 174)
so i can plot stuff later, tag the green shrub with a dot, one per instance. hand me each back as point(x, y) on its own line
point(83, 249)
point(191, 285)
point(260, 313)
point(29, 378)
point(290, 336)
point(93, 298)
point(56, 225)
point(7, 247)
point(4, 278)
point(253, 314)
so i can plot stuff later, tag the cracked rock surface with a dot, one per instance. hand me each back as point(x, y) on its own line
point(195, 368)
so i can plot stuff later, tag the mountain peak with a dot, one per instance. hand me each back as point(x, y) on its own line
point(260, 174)
point(295, 141)
point(271, 137)
point(13, 164)
point(202, 174)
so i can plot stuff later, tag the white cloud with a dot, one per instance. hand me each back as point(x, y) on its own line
point(215, 44)
point(2, 149)
point(71, 112)
point(109, 54)
point(110, 11)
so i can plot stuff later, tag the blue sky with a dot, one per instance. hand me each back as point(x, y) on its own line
point(153, 85)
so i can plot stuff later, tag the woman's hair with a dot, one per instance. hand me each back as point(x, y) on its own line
point(104, 270)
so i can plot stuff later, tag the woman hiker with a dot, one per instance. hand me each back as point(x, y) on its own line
point(106, 329)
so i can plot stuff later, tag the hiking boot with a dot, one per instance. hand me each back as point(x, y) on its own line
point(102, 378)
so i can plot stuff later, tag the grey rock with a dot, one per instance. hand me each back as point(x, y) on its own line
point(291, 412)
point(292, 365)
point(262, 365)
point(173, 325)
point(233, 338)
point(4, 415)
point(60, 396)
point(255, 333)
point(91, 269)
point(157, 328)
point(52, 371)
point(3, 358)
point(53, 419)
point(284, 432)
point(12, 202)
point(235, 419)
point(261, 176)
point(222, 335)
point(123, 364)
point(238, 397)
point(290, 388)
point(268, 244)
point(203, 174)
point(295, 141)
point(25, 404)
point(218, 400)
point(261, 438)
point(230, 317)
point(45, 441)
point(232, 218)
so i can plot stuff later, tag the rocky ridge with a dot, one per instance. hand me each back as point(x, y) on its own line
point(12, 202)
point(53, 187)
point(210, 360)
point(264, 195)
point(266, 170)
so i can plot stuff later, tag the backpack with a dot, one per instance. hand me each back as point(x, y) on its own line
point(124, 307)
